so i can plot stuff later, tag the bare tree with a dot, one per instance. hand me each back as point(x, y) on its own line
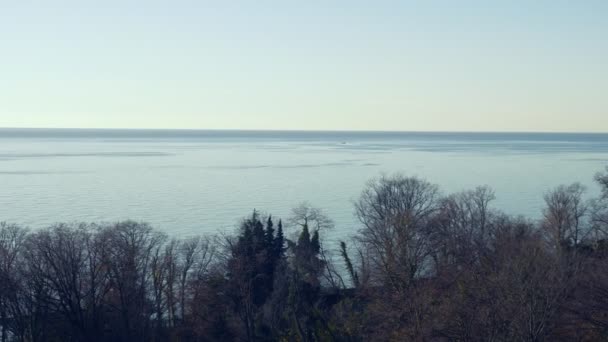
point(565, 214)
point(12, 240)
point(599, 209)
point(462, 226)
point(132, 247)
point(513, 293)
point(602, 180)
point(64, 258)
point(305, 213)
point(195, 258)
point(395, 212)
point(529, 285)
point(161, 264)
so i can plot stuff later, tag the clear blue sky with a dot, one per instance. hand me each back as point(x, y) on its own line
point(371, 65)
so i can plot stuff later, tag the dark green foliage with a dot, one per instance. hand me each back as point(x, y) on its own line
point(269, 233)
point(279, 242)
point(304, 240)
point(315, 244)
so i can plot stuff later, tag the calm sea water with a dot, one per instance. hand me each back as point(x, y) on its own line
point(188, 182)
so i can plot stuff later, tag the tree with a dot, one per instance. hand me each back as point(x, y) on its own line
point(565, 214)
point(395, 212)
point(599, 209)
point(316, 220)
point(196, 256)
point(253, 259)
point(304, 284)
point(129, 260)
point(66, 259)
point(354, 275)
point(602, 180)
point(461, 228)
point(279, 242)
point(422, 267)
point(513, 293)
point(12, 241)
point(162, 270)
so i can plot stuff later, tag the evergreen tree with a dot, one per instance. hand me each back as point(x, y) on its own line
point(279, 242)
point(259, 235)
point(269, 233)
point(315, 244)
point(303, 245)
point(304, 287)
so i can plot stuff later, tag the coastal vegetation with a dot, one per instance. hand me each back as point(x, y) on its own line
point(421, 266)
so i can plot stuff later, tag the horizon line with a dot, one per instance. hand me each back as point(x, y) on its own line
point(296, 130)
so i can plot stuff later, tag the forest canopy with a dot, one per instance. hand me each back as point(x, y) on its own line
point(420, 266)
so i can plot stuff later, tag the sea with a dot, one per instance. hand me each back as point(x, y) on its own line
point(188, 182)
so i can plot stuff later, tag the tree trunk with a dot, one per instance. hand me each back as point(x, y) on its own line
point(3, 319)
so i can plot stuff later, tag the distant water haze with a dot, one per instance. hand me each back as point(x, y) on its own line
point(193, 181)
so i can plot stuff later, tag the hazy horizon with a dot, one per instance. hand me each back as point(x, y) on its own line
point(296, 130)
point(385, 66)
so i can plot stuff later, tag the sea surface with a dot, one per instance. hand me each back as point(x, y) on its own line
point(190, 182)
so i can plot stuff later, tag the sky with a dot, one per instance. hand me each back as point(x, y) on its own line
point(305, 65)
